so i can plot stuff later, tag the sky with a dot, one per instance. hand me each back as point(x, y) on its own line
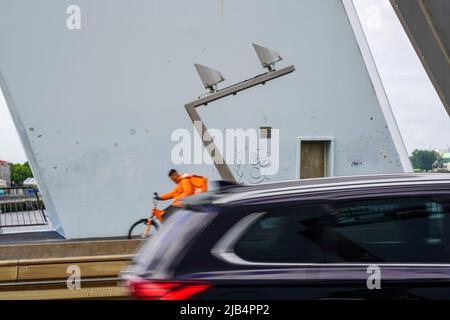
point(420, 115)
point(421, 118)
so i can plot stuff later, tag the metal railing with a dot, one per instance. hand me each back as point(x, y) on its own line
point(20, 207)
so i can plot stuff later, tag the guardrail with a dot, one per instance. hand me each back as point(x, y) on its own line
point(25, 279)
point(57, 268)
point(21, 206)
point(41, 270)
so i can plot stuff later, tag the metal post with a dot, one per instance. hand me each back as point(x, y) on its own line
point(219, 162)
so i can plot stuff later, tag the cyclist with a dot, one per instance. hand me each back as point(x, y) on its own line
point(186, 185)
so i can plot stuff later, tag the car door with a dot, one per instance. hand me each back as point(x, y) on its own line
point(369, 248)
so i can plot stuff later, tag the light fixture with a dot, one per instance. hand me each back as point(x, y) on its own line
point(268, 57)
point(209, 77)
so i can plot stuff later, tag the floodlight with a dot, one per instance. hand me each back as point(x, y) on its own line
point(268, 57)
point(209, 77)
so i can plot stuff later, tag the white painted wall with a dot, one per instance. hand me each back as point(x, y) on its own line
point(95, 107)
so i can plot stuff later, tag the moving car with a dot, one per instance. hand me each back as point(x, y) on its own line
point(360, 237)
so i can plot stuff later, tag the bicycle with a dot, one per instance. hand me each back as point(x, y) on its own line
point(143, 228)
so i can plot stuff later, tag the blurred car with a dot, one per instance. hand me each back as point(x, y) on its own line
point(361, 237)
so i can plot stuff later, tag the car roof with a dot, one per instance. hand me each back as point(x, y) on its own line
point(239, 192)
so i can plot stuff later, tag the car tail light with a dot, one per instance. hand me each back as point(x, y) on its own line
point(166, 290)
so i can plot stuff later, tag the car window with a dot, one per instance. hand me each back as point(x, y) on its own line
point(398, 230)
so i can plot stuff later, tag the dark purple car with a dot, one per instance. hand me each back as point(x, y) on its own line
point(363, 237)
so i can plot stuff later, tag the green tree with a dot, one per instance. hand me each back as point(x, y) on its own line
point(424, 159)
point(20, 172)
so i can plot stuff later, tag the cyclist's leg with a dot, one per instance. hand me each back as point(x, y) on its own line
point(148, 227)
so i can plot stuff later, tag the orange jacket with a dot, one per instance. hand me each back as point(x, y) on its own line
point(182, 190)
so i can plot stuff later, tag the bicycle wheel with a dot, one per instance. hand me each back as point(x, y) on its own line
point(137, 230)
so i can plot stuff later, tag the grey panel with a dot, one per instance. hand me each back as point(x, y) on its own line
point(96, 107)
point(440, 11)
point(427, 24)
